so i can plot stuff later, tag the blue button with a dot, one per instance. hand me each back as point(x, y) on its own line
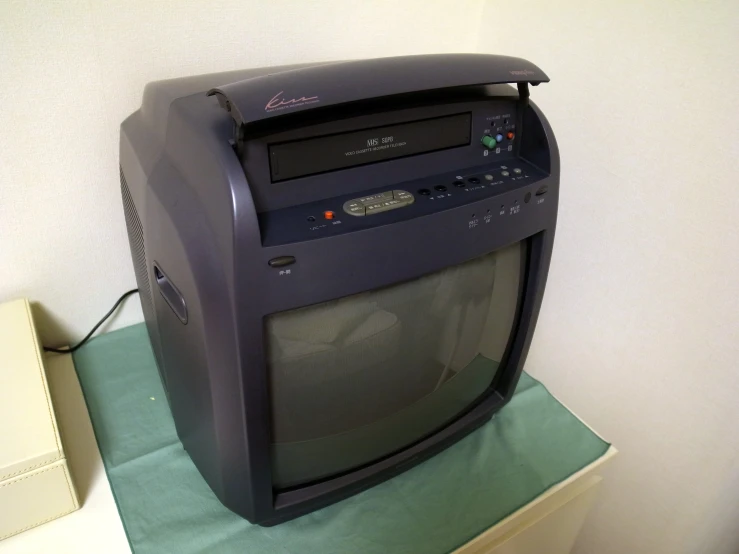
point(499, 137)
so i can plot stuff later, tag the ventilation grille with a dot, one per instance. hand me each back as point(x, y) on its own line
point(138, 252)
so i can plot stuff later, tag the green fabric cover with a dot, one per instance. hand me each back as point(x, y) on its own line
point(166, 507)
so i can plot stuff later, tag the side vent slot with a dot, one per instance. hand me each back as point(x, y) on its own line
point(138, 253)
point(138, 250)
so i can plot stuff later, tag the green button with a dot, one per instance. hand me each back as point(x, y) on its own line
point(488, 141)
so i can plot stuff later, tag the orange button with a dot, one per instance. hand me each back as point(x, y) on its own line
point(510, 135)
point(328, 214)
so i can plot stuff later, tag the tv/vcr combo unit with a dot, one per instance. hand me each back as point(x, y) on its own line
point(340, 264)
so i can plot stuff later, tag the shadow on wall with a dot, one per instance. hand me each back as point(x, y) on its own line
point(53, 332)
point(49, 326)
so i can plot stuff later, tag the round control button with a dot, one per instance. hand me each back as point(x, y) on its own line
point(488, 177)
point(517, 170)
point(459, 184)
point(440, 188)
point(473, 180)
point(328, 214)
point(499, 137)
point(311, 218)
point(510, 135)
point(488, 141)
point(504, 173)
point(425, 192)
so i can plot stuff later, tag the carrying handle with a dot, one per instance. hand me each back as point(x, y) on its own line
point(332, 84)
point(171, 294)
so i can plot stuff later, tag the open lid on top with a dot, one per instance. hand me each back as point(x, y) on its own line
point(331, 84)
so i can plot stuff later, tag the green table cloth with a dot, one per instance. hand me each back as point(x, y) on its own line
point(166, 507)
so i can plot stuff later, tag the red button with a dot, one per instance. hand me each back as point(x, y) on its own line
point(510, 135)
point(328, 214)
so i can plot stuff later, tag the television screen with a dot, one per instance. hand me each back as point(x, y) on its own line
point(357, 378)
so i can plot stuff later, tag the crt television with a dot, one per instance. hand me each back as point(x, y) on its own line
point(340, 264)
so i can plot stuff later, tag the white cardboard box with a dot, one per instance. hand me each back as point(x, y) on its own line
point(35, 484)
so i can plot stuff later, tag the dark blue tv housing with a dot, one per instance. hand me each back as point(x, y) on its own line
point(340, 264)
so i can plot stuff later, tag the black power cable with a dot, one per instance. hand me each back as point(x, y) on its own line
point(99, 323)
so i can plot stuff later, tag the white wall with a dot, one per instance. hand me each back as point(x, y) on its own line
point(71, 71)
point(639, 330)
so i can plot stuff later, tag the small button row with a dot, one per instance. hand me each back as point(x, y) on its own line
point(472, 180)
point(377, 203)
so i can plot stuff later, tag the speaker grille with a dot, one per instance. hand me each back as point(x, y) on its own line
point(138, 251)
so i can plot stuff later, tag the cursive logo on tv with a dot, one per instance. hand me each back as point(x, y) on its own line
point(279, 103)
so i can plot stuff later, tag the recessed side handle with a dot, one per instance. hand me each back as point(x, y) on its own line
point(171, 294)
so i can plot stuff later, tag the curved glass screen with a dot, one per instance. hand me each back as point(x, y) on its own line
point(355, 379)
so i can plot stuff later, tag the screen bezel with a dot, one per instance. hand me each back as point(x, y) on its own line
point(536, 261)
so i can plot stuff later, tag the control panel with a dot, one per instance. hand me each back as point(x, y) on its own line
point(378, 203)
point(512, 186)
point(499, 134)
